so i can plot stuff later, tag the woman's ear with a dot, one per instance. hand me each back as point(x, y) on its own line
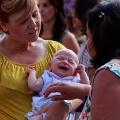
point(3, 26)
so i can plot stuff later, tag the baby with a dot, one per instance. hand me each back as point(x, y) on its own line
point(63, 68)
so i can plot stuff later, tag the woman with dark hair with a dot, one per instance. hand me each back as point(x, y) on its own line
point(54, 24)
point(103, 30)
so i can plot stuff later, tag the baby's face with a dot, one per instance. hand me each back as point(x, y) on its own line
point(64, 63)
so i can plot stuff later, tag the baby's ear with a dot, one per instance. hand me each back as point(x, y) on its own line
point(75, 73)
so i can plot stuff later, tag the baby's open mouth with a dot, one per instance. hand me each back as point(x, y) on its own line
point(63, 68)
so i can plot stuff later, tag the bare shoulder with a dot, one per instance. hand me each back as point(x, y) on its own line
point(69, 36)
point(105, 76)
point(39, 45)
point(40, 42)
point(105, 83)
point(69, 41)
point(105, 95)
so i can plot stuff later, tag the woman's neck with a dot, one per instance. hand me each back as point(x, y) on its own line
point(14, 45)
point(47, 29)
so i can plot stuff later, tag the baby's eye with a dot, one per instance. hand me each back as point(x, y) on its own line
point(71, 62)
point(59, 58)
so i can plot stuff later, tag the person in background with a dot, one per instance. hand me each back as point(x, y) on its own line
point(80, 17)
point(77, 25)
point(79, 21)
point(54, 25)
point(103, 29)
point(63, 68)
point(21, 47)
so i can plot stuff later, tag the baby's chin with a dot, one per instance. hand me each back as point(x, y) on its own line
point(63, 74)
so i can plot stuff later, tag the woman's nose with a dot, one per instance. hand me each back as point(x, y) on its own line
point(32, 23)
point(73, 14)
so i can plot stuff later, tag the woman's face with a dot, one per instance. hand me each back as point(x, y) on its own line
point(28, 30)
point(77, 23)
point(47, 10)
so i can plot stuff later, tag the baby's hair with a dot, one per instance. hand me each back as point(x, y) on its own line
point(67, 50)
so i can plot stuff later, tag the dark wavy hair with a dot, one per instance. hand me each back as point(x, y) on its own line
point(82, 8)
point(60, 22)
point(104, 25)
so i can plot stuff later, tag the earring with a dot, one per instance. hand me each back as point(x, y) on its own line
point(6, 30)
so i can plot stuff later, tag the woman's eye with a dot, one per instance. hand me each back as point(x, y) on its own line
point(23, 21)
point(38, 5)
point(45, 5)
point(36, 14)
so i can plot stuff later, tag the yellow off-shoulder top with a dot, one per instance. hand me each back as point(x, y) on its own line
point(15, 96)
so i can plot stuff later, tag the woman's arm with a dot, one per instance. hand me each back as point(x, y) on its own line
point(56, 111)
point(105, 103)
point(68, 90)
point(59, 110)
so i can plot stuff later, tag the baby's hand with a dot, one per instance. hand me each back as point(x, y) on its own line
point(30, 68)
point(80, 68)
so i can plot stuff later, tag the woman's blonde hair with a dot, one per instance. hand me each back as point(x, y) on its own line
point(8, 7)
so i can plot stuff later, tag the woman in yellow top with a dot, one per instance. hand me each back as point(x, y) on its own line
point(20, 20)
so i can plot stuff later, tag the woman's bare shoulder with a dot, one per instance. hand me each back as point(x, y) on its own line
point(105, 94)
point(68, 35)
point(106, 79)
point(69, 40)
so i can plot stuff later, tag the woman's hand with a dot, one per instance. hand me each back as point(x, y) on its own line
point(68, 90)
point(56, 111)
